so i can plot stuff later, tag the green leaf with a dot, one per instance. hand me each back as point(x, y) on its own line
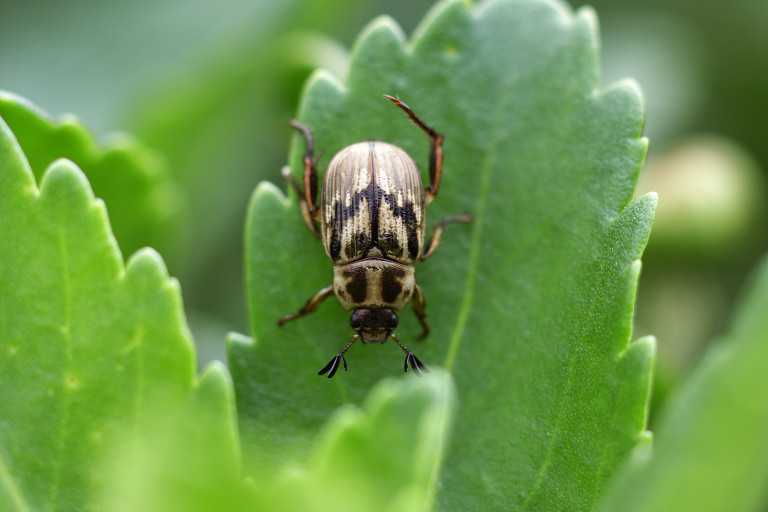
point(93, 352)
point(710, 448)
point(188, 459)
point(380, 457)
point(530, 305)
point(132, 180)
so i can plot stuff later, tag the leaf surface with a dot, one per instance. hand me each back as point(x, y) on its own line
point(530, 305)
point(133, 181)
point(94, 353)
point(378, 457)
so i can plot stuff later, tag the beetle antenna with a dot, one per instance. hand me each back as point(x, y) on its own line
point(410, 358)
point(333, 364)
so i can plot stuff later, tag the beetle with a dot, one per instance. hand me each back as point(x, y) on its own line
point(371, 220)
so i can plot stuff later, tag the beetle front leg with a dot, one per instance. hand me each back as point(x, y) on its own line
point(439, 232)
point(435, 150)
point(308, 198)
point(312, 304)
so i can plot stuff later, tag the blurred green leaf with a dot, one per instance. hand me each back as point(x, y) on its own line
point(187, 460)
point(714, 199)
point(531, 305)
point(382, 457)
point(133, 181)
point(94, 353)
point(710, 448)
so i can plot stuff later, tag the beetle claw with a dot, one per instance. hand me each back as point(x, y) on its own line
point(417, 366)
point(333, 365)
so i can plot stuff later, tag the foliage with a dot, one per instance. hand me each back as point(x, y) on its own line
point(531, 305)
point(537, 395)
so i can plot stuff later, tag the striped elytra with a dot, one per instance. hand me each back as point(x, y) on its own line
point(372, 205)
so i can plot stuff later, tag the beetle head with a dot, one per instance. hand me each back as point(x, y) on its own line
point(373, 325)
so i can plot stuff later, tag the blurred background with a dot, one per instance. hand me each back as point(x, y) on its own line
point(209, 88)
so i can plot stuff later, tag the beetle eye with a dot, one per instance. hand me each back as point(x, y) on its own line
point(393, 320)
point(354, 321)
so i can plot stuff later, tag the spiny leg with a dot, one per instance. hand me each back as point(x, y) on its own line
point(418, 307)
point(312, 304)
point(435, 149)
point(307, 198)
point(410, 358)
point(439, 232)
point(333, 364)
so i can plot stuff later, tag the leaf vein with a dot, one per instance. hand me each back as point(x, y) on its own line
point(66, 391)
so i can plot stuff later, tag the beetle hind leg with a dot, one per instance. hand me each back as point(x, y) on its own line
point(410, 359)
point(435, 149)
point(308, 196)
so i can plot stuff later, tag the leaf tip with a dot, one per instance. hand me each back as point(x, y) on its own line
point(326, 84)
point(215, 380)
point(14, 100)
point(645, 345)
point(629, 87)
point(382, 34)
point(64, 176)
point(236, 338)
point(382, 26)
point(587, 15)
point(147, 259)
point(147, 265)
point(650, 200)
point(644, 208)
point(270, 194)
point(628, 96)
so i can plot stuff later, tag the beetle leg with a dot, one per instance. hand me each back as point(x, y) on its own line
point(312, 304)
point(302, 202)
point(333, 364)
point(418, 308)
point(435, 150)
point(309, 210)
point(410, 358)
point(439, 232)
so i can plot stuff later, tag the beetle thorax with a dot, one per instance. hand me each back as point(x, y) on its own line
point(373, 283)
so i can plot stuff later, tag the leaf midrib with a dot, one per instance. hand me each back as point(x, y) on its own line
point(66, 398)
point(468, 300)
